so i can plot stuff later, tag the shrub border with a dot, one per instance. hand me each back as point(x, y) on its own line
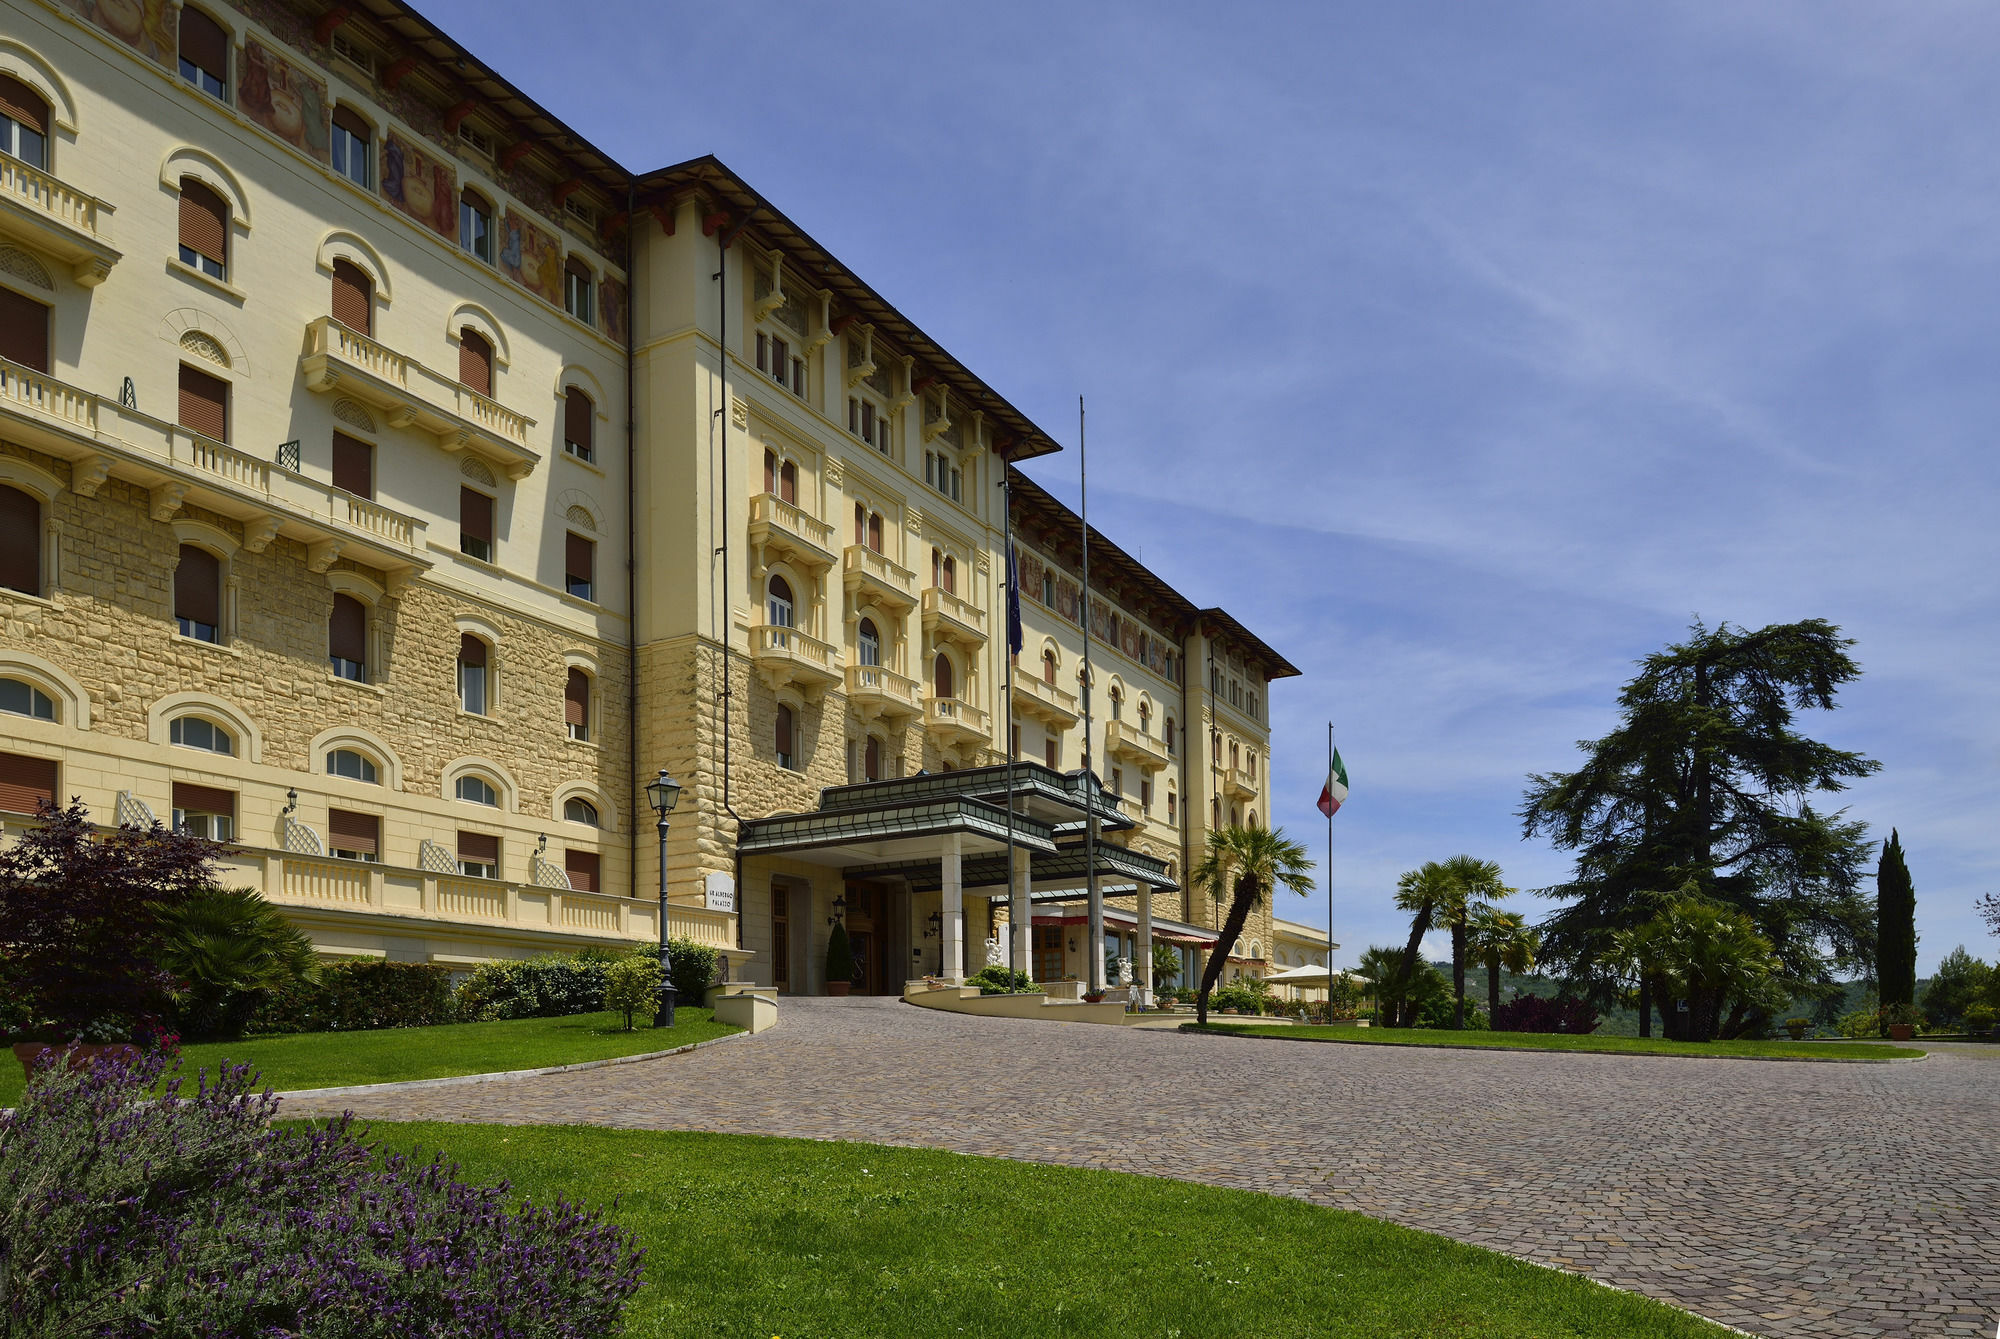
point(1224, 1030)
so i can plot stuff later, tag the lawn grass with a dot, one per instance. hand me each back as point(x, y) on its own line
point(751, 1237)
point(338, 1059)
point(1552, 1041)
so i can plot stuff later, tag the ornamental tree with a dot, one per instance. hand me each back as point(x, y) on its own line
point(1896, 927)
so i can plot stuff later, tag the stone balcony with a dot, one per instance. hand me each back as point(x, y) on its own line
point(1126, 741)
point(412, 395)
point(41, 212)
point(1041, 700)
point(951, 618)
point(777, 526)
point(878, 693)
point(867, 574)
point(101, 437)
point(1239, 784)
point(787, 656)
point(956, 721)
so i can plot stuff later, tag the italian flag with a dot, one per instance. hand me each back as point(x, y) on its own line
point(1335, 793)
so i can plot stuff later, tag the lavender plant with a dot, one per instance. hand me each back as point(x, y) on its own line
point(131, 1204)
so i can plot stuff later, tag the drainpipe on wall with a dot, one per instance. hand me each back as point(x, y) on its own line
point(633, 807)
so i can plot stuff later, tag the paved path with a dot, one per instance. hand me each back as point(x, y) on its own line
point(1784, 1199)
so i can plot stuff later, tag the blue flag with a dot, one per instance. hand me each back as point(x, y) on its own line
point(1013, 603)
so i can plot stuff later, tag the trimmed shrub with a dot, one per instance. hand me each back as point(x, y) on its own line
point(353, 996)
point(551, 986)
point(1537, 1013)
point(839, 955)
point(1236, 995)
point(632, 986)
point(693, 967)
point(195, 1215)
point(1001, 981)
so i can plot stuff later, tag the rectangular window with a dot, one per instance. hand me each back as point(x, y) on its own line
point(472, 674)
point(205, 811)
point(350, 147)
point(577, 290)
point(198, 594)
point(580, 567)
point(353, 836)
point(1051, 752)
point(353, 297)
point(25, 782)
point(781, 938)
point(1145, 795)
point(347, 638)
point(204, 404)
point(579, 425)
point(353, 465)
point(475, 524)
point(584, 869)
point(475, 226)
point(479, 855)
point(24, 331)
point(1117, 781)
point(1172, 805)
point(204, 53)
point(204, 229)
point(576, 705)
point(20, 541)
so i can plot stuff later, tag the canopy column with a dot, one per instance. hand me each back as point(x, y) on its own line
point(1020, 913)
point(1142, 970)
point(951, 893)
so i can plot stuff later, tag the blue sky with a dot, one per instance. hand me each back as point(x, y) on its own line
point(1467, 352)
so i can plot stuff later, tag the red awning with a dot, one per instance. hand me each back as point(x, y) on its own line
point(1125, 921)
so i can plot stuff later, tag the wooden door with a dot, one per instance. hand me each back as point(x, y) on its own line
point(1048, 953)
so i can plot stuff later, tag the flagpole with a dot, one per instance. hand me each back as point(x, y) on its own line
point(1329, 882)
point(1093, 899)
point(1007, 528)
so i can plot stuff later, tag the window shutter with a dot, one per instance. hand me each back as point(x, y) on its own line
point(347, 630)
point(198, 586)
point(475, 514)
point(353, 465)
point(25, 782)
point(24, 330)
point(204, 42)
point(788, 483)
point(579, 418)
point(576, 698)
point(350, 121)
point(481, 846)
point(471, 651)
point(784, 731)
point(582, 868)
point(349, 831)
point(353, 293)
point(204, 221)
point(20, 541)
point(23, 104)
point(579, 560)
point(475, 361)
point(770, 472)
point(204, 799)
point(204, 404)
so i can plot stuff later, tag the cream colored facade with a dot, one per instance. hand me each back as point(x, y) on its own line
point(796, 571)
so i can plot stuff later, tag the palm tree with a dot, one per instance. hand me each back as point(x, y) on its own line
point(1420, 892)
point(1472, 884)
point(1244, 864)
point(1502, 939)
point(1380, 965)
point(229, 950)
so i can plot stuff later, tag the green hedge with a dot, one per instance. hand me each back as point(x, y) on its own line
point(352, 996)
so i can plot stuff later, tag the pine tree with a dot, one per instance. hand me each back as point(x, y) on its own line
point(1896, 926)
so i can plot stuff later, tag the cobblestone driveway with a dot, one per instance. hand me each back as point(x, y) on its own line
point(1784, 1199)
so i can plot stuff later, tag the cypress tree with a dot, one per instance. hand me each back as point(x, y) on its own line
point(1896, 926)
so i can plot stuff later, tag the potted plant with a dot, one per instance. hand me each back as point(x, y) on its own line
point(1796, 1028)
point(1901, 1020)
point(839, 962)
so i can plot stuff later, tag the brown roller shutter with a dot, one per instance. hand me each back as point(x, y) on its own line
point(582, 868)
point(204, 799)
point(198, 586)
point(576, 698)
point(204, 404)
point(347, 630)
point(24, 330)
point(471, 651)
point(475, 361)
point(475, 514)
point(26, 782)
point(350, 121)
point(578, 419)
point(20, 541)
point(205, 43)
point(353, 293)
point(579, 558)
point(23, 104)
point(353, 465)
point(204, 221)
point(483, 847)
point(348, 831)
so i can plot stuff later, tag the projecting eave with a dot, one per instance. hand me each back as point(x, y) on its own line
point(1275, 665)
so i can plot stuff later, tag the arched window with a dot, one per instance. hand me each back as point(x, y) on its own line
point(24, 123)
point(204, 52)
point(937, 567)
point(20, 541)
point(475, 224)
point(353, 297)
point(778, 606)
point(1168, 735)
point(871, 759)
point(579, 810)
point(875, 531)
point(351, 156)
point(195, 732)
point(1145, 716)
point(475, 361)
point(1117, 696)
point(347, 638)
point(1173, 806)
point(198, 594)
point(579, 425)
point(204, 229)
point(1048, 666)
point(1235, 755)
point(770, 470)
point(788, 483)
point(1215, 813)
point(353, 765)
point(1048, 588)
point(860, 524)
point(786, 732)
point(950, 582)
point(476, 790)
point(941, 676)
point(24, 699)
point(576, 704)
point(869, 643)
point(473, 675)
point(1253, 818)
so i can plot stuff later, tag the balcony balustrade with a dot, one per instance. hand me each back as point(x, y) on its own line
point(956, 721)
point(779, 526)
point(1239, 784)
point(877, 692)
point(866, 573)
point(788, 656)
point(948, 616)
point(1044, 701)
point(54, 219)
point(1126, 741)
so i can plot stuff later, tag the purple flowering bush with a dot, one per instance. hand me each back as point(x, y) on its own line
point(1534, 1013)
point(133, 1205)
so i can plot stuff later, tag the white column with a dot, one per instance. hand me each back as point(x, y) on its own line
point(1021, 912)
point(1142, 970)
point(952, 893)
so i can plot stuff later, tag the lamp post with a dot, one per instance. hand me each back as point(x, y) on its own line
point(663, 794)
point(937, 932)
